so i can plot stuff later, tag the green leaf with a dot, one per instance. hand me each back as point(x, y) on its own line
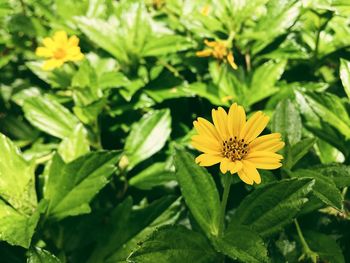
point(274, 205)
point(231, 85)
point(162, 217)
point(325, 246)
point(154, 175)
point(328, 153)
point(115, 236)
point(39, 255)
point(280, 15)
point(338, 172)
point(163, 45)
point(75, 145)
point(104, 34)
point(18, 128)
point(70, 187)
point(112, 80)
point(85, 77)
point(147, 136)
point(129, 226)
point(174, 244)
point(331, 110)
point(286, 120)
point(132, 87)
point(241, 11)
point(345, 75)
point(16, 227)
point(57, 78)
point(17, 181)
point(298, 151)
point(342, 7)
point(320, 127)
point(49, 116)
point(160, 91)
point(97, 73)
point(209, 92)
point(324, 188)
point(199, 190)
point(263, 81)
point(242, 244)
point(70, 8)
point(88, 114)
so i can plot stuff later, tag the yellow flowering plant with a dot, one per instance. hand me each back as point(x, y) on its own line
point(219, 50)
point(58, 50)
point(234, 143)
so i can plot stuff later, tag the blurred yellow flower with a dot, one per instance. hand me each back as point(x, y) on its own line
point(59, 49)
point(218, 50)
point(205, 10)
point(234, 143)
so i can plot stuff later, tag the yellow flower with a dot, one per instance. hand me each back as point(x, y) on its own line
point(218, 50)
point(234, 143)
point(58, 50)
point(205, 10)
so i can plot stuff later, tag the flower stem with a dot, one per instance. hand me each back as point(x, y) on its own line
point(308, 253)
point(227, 186)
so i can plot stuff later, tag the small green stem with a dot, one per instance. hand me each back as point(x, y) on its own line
point(97, 135)
point(231, 37)
point(307, 251)
point(345, 190)
point(318, 35)
point(315, 56)
point(227, 186)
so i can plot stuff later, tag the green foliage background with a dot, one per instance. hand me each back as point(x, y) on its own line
point(94, 156)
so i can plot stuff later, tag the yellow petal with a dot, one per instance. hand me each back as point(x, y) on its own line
point(49, 43)
point(265, 138)
point(276, 147)
point(250, 170)
point(249, 124)
point(203, 148)
point(51, 64)
point(245, 178)
point(263, 154)
point(60, 37)
point(267, 166)
point(73, 41)
point(208, 159)
point(224, 165)
point(204, 53)
point(254, 126)
point(73, 50)
point(236, 120)
point(264, 160)
point(235, 167)
point(76, 57)
point(208, 142)
point(43, 52)
point(271, 142)
point(220, 122)
point(205, 10)
point(231, 61)
point(204, 127)
point(74, 54)
point(211, 43)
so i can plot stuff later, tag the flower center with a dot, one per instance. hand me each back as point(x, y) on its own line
point(59, 53)
point(234, 149)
